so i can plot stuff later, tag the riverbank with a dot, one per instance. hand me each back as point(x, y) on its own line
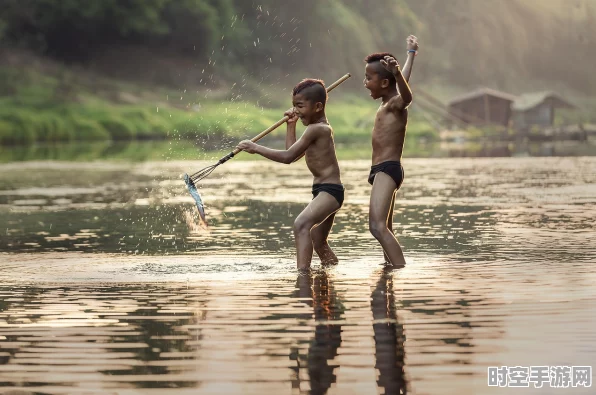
point(61, 105)
point(141, 151)
point(43, 102)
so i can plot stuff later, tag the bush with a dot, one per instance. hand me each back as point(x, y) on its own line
point(146, 124)
point(89, 130)
point(22, 129)
point(52, 128)
point(118, 129)
point(7, 133)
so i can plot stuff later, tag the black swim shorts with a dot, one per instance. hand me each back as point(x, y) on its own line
point(393, 169)
point(335, 190)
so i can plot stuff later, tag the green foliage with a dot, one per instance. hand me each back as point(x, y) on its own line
point(7, 133)
point(421, 130)
point(475, 133)
point(264, 45)
point(89, 130)
point(74, 29)
point(34, 114)
point(466, 42)
point(118, 128)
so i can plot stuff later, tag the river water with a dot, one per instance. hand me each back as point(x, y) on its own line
point(109, 285)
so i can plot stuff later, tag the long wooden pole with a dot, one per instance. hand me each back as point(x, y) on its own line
point(284, 119)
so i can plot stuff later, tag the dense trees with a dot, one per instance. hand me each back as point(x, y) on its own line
point(465, 42)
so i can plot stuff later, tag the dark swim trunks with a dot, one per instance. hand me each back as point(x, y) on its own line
point(335, 190)
point(393, 169)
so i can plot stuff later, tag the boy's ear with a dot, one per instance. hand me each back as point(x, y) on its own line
point(385, 83)
point(319, 106)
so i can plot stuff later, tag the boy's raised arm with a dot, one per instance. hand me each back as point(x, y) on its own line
point(404, 98)
point(412, 47)
point(404, 89)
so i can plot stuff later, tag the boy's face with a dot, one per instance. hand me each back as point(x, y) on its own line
point(306, 110)
point(373, 81)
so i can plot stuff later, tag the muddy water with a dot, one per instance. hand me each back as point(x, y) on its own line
point(108, 285)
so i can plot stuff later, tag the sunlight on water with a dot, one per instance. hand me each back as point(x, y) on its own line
point(110, 285)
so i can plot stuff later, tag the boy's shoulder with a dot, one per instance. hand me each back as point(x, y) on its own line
point(397, 105)
point(319, 128)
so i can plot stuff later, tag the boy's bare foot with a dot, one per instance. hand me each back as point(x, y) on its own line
point(389, 265)
point(305, 271)
point(328, 263)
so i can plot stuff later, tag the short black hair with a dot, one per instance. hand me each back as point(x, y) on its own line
point(312, 89)
point(382, 71)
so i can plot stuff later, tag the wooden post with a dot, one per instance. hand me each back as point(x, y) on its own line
point(552, 113)
point(486, 109)
point(486, 113)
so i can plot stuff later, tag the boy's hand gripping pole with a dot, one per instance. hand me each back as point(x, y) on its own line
point(206, 171)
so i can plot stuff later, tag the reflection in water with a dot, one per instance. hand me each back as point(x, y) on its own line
point(495, 249)
point(317, 291)
point(334, 331)
point(138, 151)
point(389, 336)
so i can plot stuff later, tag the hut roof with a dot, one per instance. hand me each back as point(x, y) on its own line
point(481, 92)
point(528, 101)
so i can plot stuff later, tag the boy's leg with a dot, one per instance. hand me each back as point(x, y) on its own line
point(316, 212)
point(319, 236)
point(381, 199)
point(390, 221)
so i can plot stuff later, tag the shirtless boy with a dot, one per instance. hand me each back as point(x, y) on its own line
point(312, 226)
point(386, 81)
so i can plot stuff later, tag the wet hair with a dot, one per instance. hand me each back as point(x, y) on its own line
point(382, 71)
point(312, 89)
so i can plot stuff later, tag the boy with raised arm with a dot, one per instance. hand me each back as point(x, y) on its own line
point(386, 81)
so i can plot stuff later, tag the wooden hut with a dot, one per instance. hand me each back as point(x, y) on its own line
point(483, 106)
point(537, 109)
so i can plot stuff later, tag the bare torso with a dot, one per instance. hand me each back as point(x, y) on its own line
point(321, 158)
point(388, 135)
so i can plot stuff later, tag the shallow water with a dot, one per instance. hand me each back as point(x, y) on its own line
point(108, 285)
